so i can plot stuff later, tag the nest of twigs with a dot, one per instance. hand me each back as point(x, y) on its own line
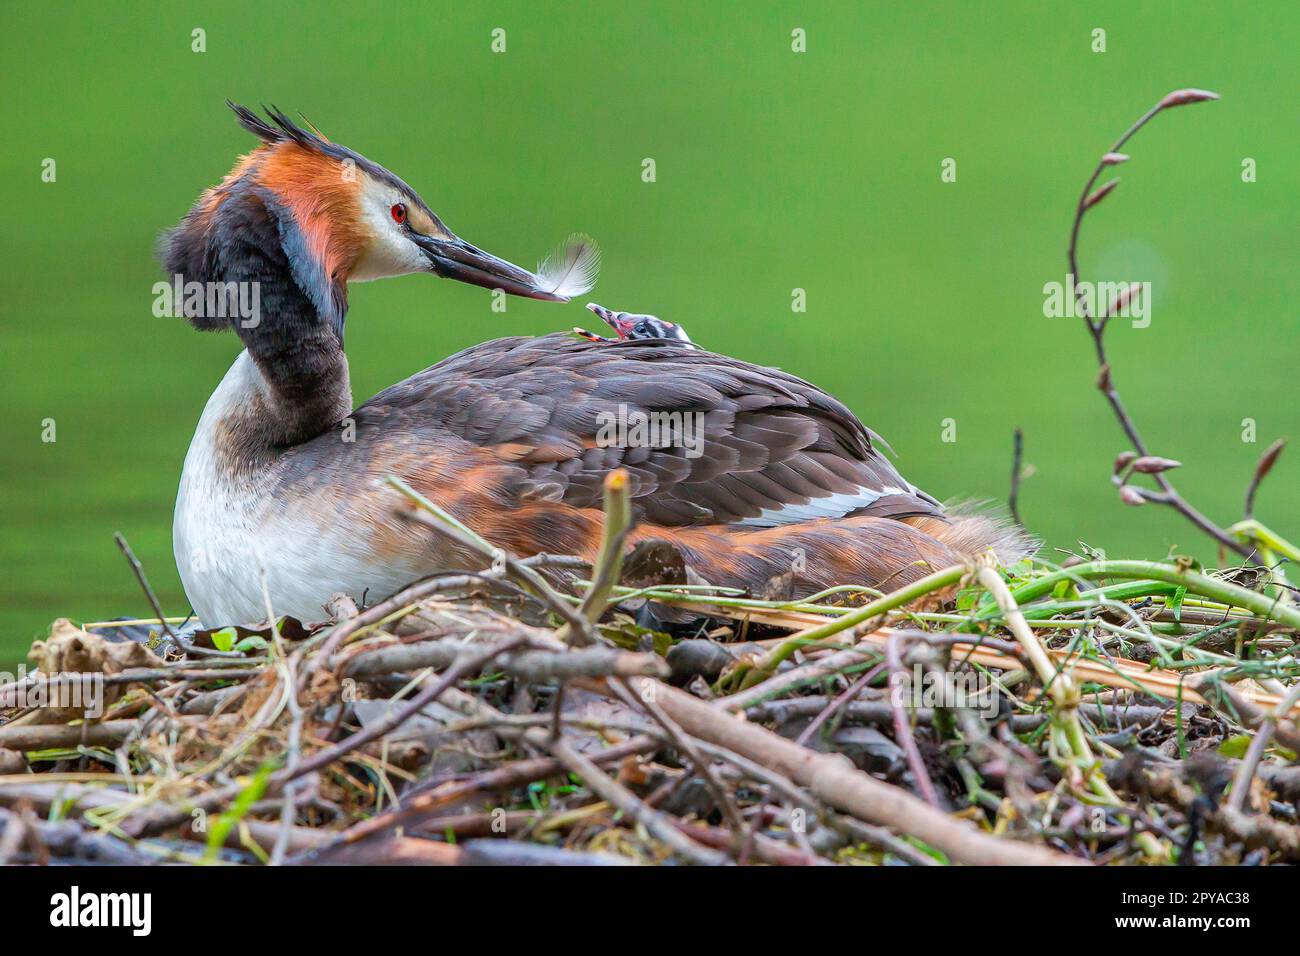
point(537, 711)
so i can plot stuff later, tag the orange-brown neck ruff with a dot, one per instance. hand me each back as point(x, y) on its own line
point(322, 195)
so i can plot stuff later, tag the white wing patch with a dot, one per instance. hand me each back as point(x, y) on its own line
point(832, 506)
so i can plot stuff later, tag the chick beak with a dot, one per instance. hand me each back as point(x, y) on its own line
point(615, 320)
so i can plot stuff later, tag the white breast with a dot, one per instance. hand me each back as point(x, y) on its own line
point(228, 532)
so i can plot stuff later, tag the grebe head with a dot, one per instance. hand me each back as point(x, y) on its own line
point(336, 217)
point(630, 325)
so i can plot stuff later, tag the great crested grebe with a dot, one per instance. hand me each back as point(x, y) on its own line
point(283, 479)
point(629, 326)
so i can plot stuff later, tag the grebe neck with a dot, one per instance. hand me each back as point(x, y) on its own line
point(240, 238)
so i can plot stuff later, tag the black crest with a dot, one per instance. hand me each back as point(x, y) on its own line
point(281, 129)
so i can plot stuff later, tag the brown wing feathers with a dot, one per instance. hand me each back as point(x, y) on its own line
point(781, 465)
point(769, 440)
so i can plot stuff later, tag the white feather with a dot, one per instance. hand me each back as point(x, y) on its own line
point(831, 506)
point(571, 269)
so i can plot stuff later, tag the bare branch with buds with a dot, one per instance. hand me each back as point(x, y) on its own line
point(1140, 460)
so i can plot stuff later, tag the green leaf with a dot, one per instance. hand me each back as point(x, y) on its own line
point(222, 826)
point(1176, 603)
point(1066, 590)
point(627, 634)
point(1235, 747)
point(224, 639)
point(254, 642)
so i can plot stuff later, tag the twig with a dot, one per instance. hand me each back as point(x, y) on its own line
point(832, 778)
point(440, 520)
point(1246, 712)
point(14, 834)
point(1119, 673)
point(1137, 774)
point(51, 736)
point(868, 648)
point(462, 666)
point(826, 713)
point(834, 707)
point(404, 599)
point(416, 806)
point(1245, 773)
point(1263, 737)
point(152, 598)
point(797, 796)
point(530, 665)
point(1017, 453)
point(879, 713)
point(686, 745)
point(632, 807)
point(1061, 686)
point(902, 727)
point(1168, 494)
point(609, 561)
point(879, 836)
point(285, 669)
point(341, 632)
point(821, 632)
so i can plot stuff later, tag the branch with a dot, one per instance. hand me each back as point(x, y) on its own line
point(834, 779)
point(1088, 198)
point(1017, 454)
point(440, 520)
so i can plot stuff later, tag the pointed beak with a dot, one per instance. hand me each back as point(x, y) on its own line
point(613, 319)
point(454, 258)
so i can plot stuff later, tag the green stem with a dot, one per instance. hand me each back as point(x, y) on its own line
point(1230, 594)
point(931, 582)
point(1254, 531)
point(609, 563)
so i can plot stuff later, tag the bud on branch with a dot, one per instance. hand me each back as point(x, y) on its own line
point(1131, 496)
point(1100, 193)
point(1182, 97)
point(1266, 463)
point(1154, 465)
point(1269, 459)
point(1124, 298)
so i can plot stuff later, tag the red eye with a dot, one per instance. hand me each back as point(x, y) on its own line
point(399, 213)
